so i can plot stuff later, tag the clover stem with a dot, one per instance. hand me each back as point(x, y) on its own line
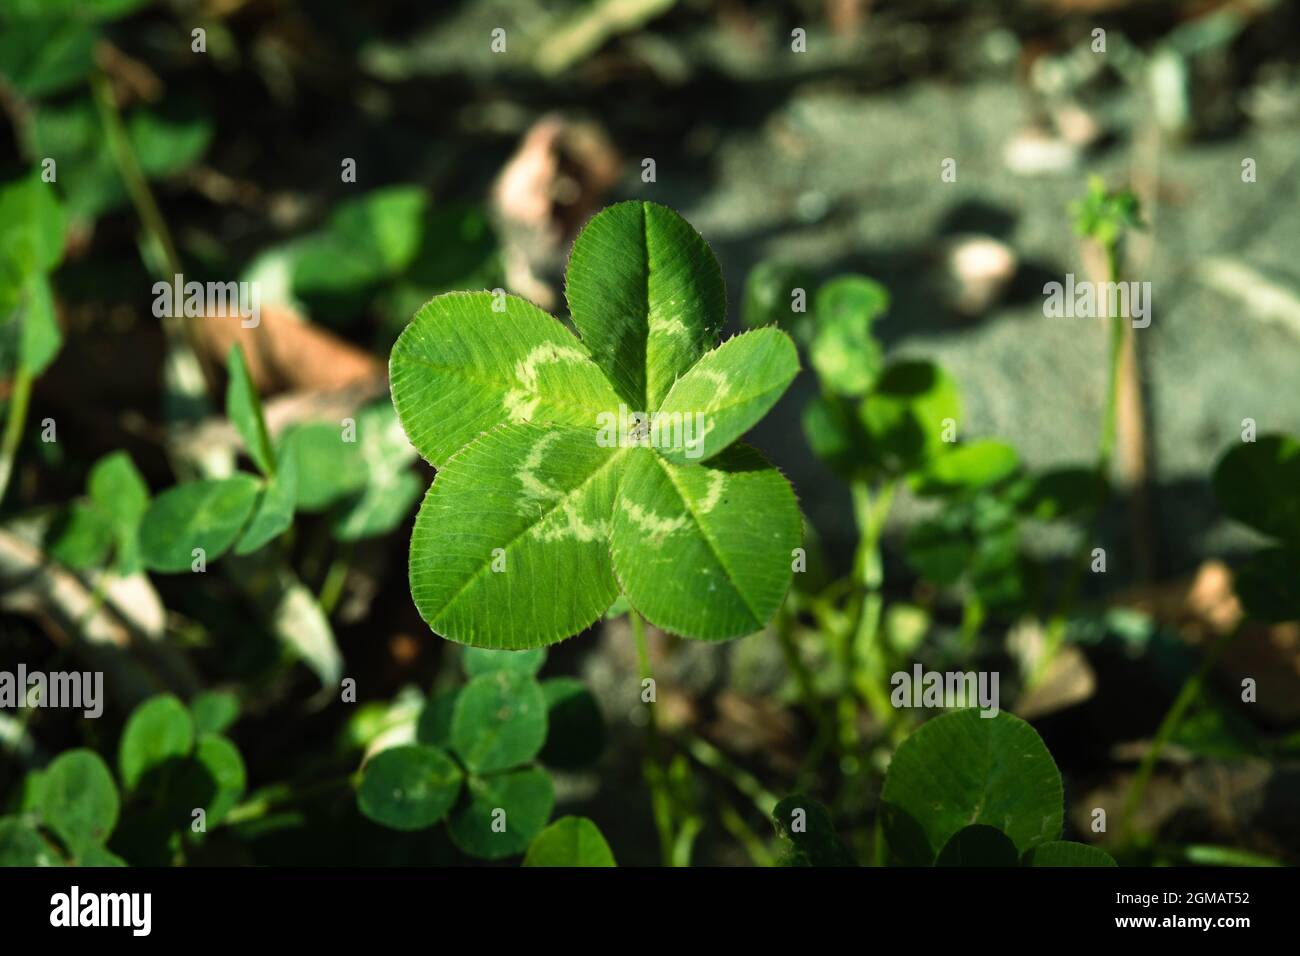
point(182, 338)
point(1190, 690)
point(794, 663)
point(654, 771)
point(1118, 333)
point(862, 653)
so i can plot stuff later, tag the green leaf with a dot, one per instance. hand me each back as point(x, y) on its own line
point(81, 537)
point(367, 240)
point(968, 467)
point(41, 337)
point(1063, 493)
point(221, 761)
point(575, 735)
point(21, 844)
point(78, 799)
point(806, 825)
point(206, 514)
point(408, 788)
point(1269, 585)
point(847, 358)
point(1258, 483)
point(244, 409)
point(158, 730)
point(460, 369)
point(510, 527)
point(705, 550)
point(329, 468)
point(169, 138)
point(391, 490)
point(119, 490)
point(906, 412)
point(772, 298)
point(726, 393)
point(380, 507)
point(275, 504)
point(478, 660)
point(165, 139)
point(43, 54)
point(978, 845)
point(570, 841)
point(503, 813)
point(214, 711)
point(434, 723)
point(647, 296)
point(939, 550)
point(31, 226)
point(499, 721)
point(1067, 853)
point(836, 436)
point(995, 770)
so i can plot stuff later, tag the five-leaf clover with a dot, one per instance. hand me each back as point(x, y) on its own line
point(573, 468)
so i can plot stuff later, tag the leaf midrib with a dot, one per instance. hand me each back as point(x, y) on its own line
point(717, 555)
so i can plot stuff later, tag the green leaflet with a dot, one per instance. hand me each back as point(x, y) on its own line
point(647, 297)
point(996, 771)
point(244, 409)
point(575, 727)
point(207, 515)
point(705, 550)
point(214, 711)
point(507, 530)
point(158, 731)
point(1256, 483)
point(570, 841)
point(41, 337)
point(460, 369)
point(1067, 853)
point(534, 440)
point(967, 467)
point(21, 844)
point(808, 828)
point(499, 721)
point(119, 491)
point(224, 769)
point(728, 391)
point(409, 788)
point(503, 813)
point(78, 799)
point(274, 511)
point(845, 354)
point(390, 489)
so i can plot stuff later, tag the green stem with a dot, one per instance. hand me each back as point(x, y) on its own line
point(655, 771)
point(714, 759)
point(863, 657)
point(182, 339)
point(332, 588)
point(1056, 626)
point(15, 420)
point(128, 167)
point(258, 807)
point(1168, 727)
point(794, 662)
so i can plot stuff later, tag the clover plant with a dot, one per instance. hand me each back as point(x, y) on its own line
point(575, 467)
point(479, 761)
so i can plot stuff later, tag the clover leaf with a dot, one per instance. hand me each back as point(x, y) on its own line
point(575, 468)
